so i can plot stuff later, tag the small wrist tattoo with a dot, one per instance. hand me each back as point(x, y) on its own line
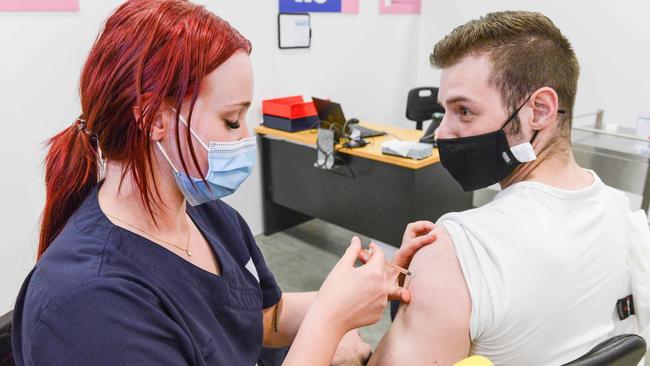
point(274, 320)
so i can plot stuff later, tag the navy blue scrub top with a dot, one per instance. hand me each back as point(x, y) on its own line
point(102, 295)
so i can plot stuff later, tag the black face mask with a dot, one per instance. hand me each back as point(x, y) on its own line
point(480, 161)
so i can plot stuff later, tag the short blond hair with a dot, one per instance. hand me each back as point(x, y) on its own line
point(527, 52)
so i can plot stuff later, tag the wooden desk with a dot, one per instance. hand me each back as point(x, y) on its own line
point(372, 194)
point(371, 151)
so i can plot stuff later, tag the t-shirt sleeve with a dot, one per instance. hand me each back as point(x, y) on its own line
point(475, 261)
point(271, 292)
point(108, 322)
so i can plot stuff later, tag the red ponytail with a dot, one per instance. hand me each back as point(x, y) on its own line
point(71, 169)
point(149, 52)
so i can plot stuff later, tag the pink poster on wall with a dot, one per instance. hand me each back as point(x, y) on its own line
point(400, 6)
point(39, 5)
point(350, 6)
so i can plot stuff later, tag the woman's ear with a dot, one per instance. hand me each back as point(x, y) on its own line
point(161, 124)
point(545, 105)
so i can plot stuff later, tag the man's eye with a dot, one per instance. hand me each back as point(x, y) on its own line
point(233, 125)
point(463, 111)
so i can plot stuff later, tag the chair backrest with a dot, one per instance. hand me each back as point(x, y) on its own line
point(421, 104)
point(622, 350)
point(5, 339)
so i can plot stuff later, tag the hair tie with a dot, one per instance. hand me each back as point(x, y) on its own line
point(81, 124)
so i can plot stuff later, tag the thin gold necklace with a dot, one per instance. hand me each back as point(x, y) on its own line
point(187, 246)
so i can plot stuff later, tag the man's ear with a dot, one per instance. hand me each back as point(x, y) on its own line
point(544, 102)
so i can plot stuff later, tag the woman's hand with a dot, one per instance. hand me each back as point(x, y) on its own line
point(354, 297)
point(417, 235)
point(349, 298)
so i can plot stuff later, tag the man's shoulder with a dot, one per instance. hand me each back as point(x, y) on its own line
point(618, 196)
point(517, 206)
point(505, 209)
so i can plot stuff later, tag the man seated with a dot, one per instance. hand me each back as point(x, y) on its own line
point(533, 277)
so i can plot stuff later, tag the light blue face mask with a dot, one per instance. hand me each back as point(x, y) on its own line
point(229, 164)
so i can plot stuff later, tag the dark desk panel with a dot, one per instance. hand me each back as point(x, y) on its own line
point(370, 197)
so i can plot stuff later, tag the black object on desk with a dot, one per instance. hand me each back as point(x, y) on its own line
point(430, 134)
point(353, 144)
point(290, 125)
point(331, 114)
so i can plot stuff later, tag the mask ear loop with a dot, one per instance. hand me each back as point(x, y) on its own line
point(515, 113)
point(166, 157)
point(182, 119)
point(534, 136)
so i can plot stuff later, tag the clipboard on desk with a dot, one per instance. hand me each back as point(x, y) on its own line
point(294, 30)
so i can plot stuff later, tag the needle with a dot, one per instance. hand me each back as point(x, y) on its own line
point(368, 253)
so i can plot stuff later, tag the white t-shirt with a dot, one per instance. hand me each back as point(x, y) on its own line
point(544, 268)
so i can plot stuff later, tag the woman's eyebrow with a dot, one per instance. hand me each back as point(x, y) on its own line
point(240, 104)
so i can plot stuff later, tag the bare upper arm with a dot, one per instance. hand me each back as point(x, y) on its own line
point(434, 327)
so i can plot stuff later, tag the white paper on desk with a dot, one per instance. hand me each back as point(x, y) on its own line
point(400, 147)
point(407, 149)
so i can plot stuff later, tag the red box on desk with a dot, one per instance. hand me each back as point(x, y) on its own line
point(290, 107)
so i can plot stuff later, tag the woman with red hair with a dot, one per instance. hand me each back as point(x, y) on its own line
point(128, 272)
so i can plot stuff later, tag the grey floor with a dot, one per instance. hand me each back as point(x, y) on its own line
point(301, 258)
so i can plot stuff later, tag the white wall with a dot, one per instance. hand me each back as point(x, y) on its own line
point(611, 40)
point(42, 55)
point(366, 61)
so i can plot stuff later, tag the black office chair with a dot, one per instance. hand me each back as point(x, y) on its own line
point(421, 104)
point(6, 357)
point(622, 350)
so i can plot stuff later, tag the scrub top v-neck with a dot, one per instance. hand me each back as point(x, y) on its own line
point(102, 295)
